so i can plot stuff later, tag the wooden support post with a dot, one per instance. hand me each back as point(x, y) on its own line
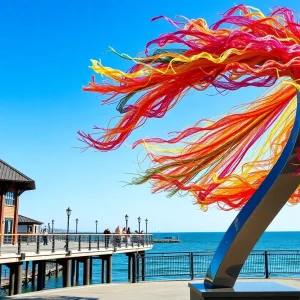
point(12, 277)
point(86, 271)
point(26, 273)
point(0, 272)
point(73, 279)
point(129, 266)
point(67, 272)
point(77, 270)
point(134, 268)
point(91, 268)
point(41, 275)
point(137, 273)
point(103, 270)
point(108, 269)
point(56, 269)
point(18, 278)
point(33, 272)
point(143, 266)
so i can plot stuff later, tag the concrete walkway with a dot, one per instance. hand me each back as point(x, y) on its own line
point(160, 290)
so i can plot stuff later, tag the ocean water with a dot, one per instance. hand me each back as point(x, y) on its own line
point(190, 242)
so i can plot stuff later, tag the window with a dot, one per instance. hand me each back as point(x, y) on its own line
point(10, 198)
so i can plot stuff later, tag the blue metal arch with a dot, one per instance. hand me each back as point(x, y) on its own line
point(256, 215)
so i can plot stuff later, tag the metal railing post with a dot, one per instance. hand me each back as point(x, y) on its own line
point(90, 242)
point(67, 243)
point(79, 243)
point(38, 244)
point(53, 244)
point(98, 242)
point(266, 264)
point(19, 245)
point(191, 256)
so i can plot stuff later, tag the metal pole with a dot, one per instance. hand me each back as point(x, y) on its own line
point(76, 228)
point(139, 226)
point(126, 220)
point(266, 264)
point(68, 225)
point(192, 265)
point(52, 226)
point(146, 225)
point(67, 240)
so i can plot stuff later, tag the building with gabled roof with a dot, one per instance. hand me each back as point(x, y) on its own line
point(28, 225)
point(12, 184)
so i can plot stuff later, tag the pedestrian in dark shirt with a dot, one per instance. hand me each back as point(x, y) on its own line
point(106, 237)
point(45, 236)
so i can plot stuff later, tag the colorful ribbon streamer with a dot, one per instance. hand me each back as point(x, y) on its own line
point(214, 161)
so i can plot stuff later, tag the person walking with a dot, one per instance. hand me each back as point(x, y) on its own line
point(45, 236)
point(118, 237)
point(106, 237)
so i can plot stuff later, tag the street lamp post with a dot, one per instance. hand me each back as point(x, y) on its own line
point(139, 220)
point(76, 224)
point(96, 226)
point(52, 226)
point(146, 225)
point(126, 219)
point(68, 211)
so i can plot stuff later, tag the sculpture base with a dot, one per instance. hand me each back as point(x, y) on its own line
point(245, 291)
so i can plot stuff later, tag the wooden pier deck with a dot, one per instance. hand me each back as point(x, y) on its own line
point(69, 251)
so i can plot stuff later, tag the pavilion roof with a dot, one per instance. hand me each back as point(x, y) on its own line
point(8, 174)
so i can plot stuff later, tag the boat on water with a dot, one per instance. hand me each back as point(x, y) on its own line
point(167, 239)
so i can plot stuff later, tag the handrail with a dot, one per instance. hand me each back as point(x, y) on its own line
point(68, 242)
point(261, 263)
point(77, 234)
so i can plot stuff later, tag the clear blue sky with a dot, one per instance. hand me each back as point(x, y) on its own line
point(45, 51)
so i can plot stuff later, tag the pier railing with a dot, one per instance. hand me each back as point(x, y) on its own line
point(190, 265)
point(37, 243)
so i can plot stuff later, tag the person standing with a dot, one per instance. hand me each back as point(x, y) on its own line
point(45, 236)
